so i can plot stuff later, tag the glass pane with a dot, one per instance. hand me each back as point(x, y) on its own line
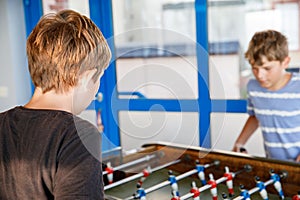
point(224, 133)
point(53, 6)
point(138, 128)
point(155, 48)
point(231, 25)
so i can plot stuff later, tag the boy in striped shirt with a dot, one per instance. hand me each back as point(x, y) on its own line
point(273, 97)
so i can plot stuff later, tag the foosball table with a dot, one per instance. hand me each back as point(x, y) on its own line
point(161, 171)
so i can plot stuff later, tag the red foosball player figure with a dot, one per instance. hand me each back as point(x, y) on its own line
point(213, 189)
point(195, 191)
point(146, 173)
point(229, 182)
point(110, 172)
point(297, 196)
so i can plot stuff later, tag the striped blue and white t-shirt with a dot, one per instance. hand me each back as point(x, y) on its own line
point(278, 113)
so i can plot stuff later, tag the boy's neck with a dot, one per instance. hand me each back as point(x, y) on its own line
point(50, 100)
point(284, 81)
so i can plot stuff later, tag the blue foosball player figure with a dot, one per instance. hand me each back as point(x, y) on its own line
point(173, 182)
point(244, 193)
point(276, 181)
point(200, 169)
point(262, 188)
point(140, 193)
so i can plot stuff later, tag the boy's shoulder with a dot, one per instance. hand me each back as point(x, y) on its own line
point(62, 118)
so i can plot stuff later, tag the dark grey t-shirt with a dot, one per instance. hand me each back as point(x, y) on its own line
point(47, 154)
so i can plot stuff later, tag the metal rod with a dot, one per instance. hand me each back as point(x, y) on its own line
point(256, 189)
point(135, 162)
point(216, 162)
point(247, 168)
point(136, 176)
point(165, 183)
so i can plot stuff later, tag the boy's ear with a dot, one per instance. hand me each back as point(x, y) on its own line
point(286, 62)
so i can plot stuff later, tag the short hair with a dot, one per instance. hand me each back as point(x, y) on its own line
point(61, 47)
point(270, 44)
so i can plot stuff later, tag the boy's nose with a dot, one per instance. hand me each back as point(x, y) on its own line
point(260, 73)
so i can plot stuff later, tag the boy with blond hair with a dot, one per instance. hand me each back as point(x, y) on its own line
point(46, 151)
point(273, 97)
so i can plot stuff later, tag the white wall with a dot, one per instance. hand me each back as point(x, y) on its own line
point(14, 76)
point(161, 78)
point(137, 128)
point(226, 127)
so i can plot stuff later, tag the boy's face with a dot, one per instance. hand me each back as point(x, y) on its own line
point(270, 74)
point(85, 91)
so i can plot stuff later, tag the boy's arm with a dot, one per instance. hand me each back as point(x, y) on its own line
point(250, 126)
point(298, 158)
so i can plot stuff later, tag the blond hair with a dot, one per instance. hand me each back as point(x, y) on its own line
point(270, 44)
point(61, 47)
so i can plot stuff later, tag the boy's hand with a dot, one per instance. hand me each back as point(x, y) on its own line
point(239, 148)
point(243, 150)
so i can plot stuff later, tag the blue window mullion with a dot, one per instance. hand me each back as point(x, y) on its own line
point(231, 106)
point(101, 14)
point(33, 11)
point(150, 105)
point(203, 80)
